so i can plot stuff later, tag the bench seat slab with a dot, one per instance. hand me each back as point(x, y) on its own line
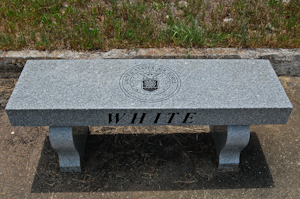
point(69, 143)
point(115, 93)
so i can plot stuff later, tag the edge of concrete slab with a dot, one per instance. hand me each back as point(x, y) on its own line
point(284, 61)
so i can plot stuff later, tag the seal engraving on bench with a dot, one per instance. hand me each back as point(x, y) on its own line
point(150, 83)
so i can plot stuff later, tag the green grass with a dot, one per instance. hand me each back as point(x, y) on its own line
point(96, 24)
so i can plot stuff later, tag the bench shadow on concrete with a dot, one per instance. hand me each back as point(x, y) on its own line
point(152, 162)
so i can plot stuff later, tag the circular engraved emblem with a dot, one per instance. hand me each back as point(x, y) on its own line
point(150, 83)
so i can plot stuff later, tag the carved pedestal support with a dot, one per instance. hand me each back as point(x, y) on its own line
point(230, 144)
point(69, 143)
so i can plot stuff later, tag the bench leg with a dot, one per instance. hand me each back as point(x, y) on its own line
point(69, 143)
point(230, 144)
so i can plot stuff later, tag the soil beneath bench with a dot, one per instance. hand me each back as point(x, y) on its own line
point(170, 158)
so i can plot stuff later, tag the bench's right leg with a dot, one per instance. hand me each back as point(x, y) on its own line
point(69, 143)
point(230, 144)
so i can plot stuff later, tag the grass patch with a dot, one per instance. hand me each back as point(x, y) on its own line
point(97, 24)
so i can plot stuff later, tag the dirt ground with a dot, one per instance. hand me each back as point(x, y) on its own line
point(150, 162)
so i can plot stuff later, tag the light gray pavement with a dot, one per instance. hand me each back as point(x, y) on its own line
point(284, 61)
point(21, 149)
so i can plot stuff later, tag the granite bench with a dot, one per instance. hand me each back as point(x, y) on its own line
point(71, 95)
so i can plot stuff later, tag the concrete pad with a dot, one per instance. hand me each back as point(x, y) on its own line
point(23, 149)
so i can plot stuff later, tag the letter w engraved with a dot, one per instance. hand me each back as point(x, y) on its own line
point(111, 118)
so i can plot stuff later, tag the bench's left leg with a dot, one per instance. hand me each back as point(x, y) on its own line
point(69, 143)
point(230, 144)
